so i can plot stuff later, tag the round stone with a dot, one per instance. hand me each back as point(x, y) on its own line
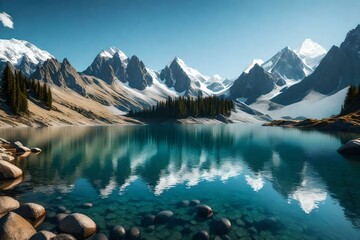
point(134, 233)
point(223, 226)
point(13, 226)
point(201, 235)
point(118, 233)
point(9, 171)
point(164, 217)
point(78, 225)
point(204, 211)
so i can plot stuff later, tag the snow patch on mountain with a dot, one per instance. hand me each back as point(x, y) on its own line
point(111, 52)
point(311, 53)
point(13, 51)
point(252, 64)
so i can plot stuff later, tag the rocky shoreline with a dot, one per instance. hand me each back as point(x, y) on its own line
point(329, 124)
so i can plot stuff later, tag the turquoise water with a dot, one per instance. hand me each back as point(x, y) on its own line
point(246, 173)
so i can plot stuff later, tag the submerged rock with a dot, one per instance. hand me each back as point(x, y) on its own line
point(134, 233)
point(99, 236)
point(351, 147)
point(9, 171)
point(32, 212)
point(13, 226)
point(78, 225)
point(204, 211)
point(7, 204)
point(222, 226)
point(117, 233)
point(87, 205)
point(148, 220)
point(164, 217)
point(43, 235)
point(194, 203)
point(184, 203)
point(201, 235)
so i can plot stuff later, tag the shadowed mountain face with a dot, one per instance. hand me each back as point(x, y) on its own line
point(137, 75)
point(287, 65)
point(175, 77)
point(60, 74)
point(108, 67)
point(254, 84)
point(339, 68)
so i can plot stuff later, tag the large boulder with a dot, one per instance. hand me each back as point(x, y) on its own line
point(43, 235)
point(20, 148)
point(9, 171)
point(7, 204)
point(32, 212)
point(6, 157)
point(9, 184)
point(351, 147)
point(78, 225)
point(14, 227)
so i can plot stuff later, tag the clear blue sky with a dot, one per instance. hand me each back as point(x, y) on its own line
point(214, 36)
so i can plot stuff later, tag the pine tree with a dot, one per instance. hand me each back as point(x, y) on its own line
point(49, 98)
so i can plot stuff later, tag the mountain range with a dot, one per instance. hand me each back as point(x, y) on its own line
point(120, 83)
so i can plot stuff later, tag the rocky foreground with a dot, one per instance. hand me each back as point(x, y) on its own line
point(345, 123)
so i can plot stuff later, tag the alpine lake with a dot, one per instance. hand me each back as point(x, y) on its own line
point(270, 182)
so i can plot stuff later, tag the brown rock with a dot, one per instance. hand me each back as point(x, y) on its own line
point(7, 204)
point(14, 227)
point(32, 212)
point(9, 171)
point(78, 225)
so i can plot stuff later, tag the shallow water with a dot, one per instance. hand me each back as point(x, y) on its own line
point(246, 173)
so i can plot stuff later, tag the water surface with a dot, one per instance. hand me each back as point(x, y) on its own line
point(246, 173)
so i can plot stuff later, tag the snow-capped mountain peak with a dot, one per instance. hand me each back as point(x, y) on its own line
point(311, 53)
point(252, 64)
point(111, 52)
point(14, 50)
point(192, 73)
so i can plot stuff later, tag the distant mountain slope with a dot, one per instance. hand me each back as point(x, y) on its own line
point(21, 54)
point(250, 86)
point(338, 69)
